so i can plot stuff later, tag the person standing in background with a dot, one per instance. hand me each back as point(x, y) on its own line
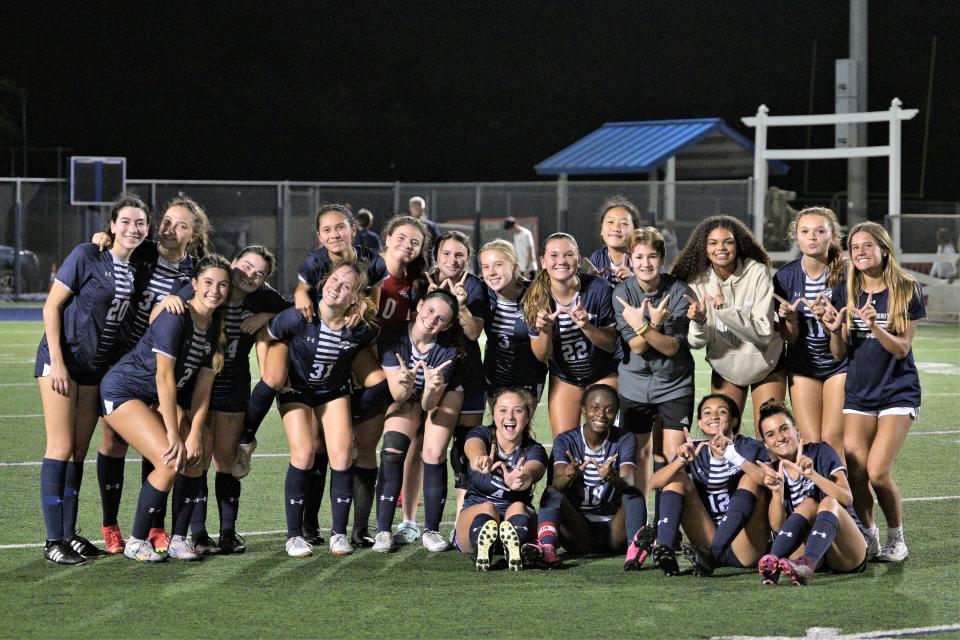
point(418, 210)
point(365, 235)
point(526, 249)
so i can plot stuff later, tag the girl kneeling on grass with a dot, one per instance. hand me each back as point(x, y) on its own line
point(172, 368)
point(505, 462)
point(810, 505)
point(714, 489)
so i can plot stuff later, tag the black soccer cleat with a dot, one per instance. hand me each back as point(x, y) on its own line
point(84, 547)
point(361, 538)
point(204, 544)
point(666, 558)
point(702, 560)
point(60, 552)
point(313, 536)
point(231, 543)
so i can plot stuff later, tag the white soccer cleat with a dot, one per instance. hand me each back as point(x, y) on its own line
point(340, 545)
point(434, 542)
point(383, 542)
point(297, 547)
point(893, 551)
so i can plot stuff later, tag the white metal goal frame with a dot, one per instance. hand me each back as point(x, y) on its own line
point(892, 151)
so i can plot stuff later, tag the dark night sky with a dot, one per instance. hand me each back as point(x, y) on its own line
point(452, 91)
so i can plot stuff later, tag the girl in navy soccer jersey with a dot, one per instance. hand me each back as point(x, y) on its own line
point(406, 249)
point(336, 232)
point(420, 360)
point(451, 255)
point(171, 368)
point(733, 315)
point(816, 378)
point(322, 351)
point(572, 326)
point(252, 304)
point(714, 489)
point(810, 505)
point(505, 464)
point(594, 505)
point(618, 219)
point(882, 306)
point(167, 267)
point(83, 321)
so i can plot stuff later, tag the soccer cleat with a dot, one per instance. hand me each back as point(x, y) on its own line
point(407, 533)
point(361, 538)
point(84, 547)
point(297, 547)
point(204, 544)
point(60, 552)
point(113, 539)
point(182, 549)
point(639, 548)
point(434, 542)
point(340, 544)
point(313, 536)
point(231, 543)
point(159, 538)
point(141, 550)
point(543, 556)
point(702, 560)
point(893, 551)
point(241, 459)
point(769, 567)
point(799, 570)
point(510, 540)
point(383, 542)
point(486, 541)
point(665, 558)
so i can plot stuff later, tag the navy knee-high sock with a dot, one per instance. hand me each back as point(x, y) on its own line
point(521, 522)
point(671, 511)
point(634, 513)
point(227, 489)
point(549, 516)
point(364, 489)
point(656, 494)
point(434, 494)
point(261, 399)
point(341, 495)
point(388, 487)
point(478, 521)
point(53, 475)
point(71, 492)
point(186, 496)
point(316, 481)
point(110, 479)
point(160, 516)
point(822, 534)
point(294, 491)
point(198, 522)
point(741, 506)
point(150, 502)
point(792, 534)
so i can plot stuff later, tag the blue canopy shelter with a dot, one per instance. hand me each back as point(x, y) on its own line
point(691, 149)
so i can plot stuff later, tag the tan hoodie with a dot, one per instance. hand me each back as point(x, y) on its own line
point(743, 345)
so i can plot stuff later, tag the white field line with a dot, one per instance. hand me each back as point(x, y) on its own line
point(18, 384)
point(830, 633)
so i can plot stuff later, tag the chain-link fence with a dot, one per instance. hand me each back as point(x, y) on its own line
point(280, 215)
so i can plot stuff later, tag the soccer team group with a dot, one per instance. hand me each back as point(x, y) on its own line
point(378, 374)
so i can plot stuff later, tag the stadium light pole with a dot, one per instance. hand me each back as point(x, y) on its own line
point(857, 167)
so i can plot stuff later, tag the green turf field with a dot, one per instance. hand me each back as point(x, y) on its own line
point(413, 594)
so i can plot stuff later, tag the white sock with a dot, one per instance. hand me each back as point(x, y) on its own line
point(894, 533)
point(410, 522)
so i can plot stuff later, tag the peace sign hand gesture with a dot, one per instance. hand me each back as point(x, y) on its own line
point(771, 479)
point(607, 470)
point(659, 313)
point(788, 310)
point(592, 270)
point(831, 318)
point(458, 289)
point(867, 313)
point(544, 320)
point(635, 316)
point(407, 376)
point(718, 445)
point(686, 451)
point(483, 463)
point(697, 311)
point(433, 378)
point(515, 478)
point(579, 315)
point(803, 466)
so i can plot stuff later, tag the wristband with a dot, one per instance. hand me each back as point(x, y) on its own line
point(730, 455)
point(642, 329)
